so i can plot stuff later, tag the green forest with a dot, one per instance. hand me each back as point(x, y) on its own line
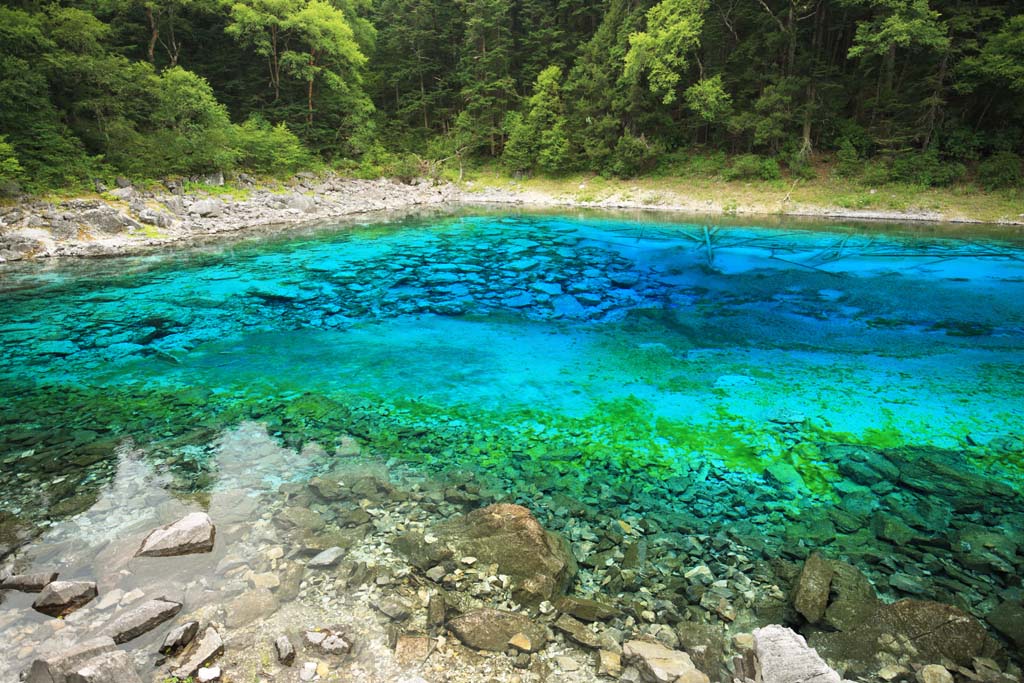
point(924, 92)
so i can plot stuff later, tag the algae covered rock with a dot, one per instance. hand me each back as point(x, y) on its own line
point(812, 588)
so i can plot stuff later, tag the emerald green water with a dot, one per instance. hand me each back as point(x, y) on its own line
point(793, 388)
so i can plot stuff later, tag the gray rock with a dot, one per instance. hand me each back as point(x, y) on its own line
point(329, 642)
point(207, 207)
point(209, 647)
point(56, 669)
point(157, 218)
point(105, 219)
point(810, 598)
point(179, 638)
point(61, 598)
point(933, 673)
point(285, 650)
point(393, 608)
point(110, 667)
point(122, 182)
point(141, 619)
point(785, 657)
point(29, 583)
point(300, 202)
point(123, 192)
point(193, 533)
point(327, 558)
point(250, 606)
point(491, 629)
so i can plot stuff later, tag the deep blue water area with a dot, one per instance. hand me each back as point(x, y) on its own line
point(823, 386)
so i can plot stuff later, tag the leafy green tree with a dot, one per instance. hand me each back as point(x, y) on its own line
point(488, 89)
point(708, 99)
point(540, 139)
point(661, 52)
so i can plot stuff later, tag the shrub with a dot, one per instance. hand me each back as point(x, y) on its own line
point(269, 149)
point(753, 167)
point(848, 161)
point(1002, 169)
point(925, 168)
point(10, 169)
point(633, 156)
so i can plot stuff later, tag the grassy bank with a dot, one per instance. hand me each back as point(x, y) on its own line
point(821, 195)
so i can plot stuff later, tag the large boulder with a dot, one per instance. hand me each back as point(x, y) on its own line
point(57, 668)
point(491, 629)
point(193, 533)
point(28, 583)
point(810, 597)
point(540, 563)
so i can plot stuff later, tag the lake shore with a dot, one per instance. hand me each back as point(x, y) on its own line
point(130, 220)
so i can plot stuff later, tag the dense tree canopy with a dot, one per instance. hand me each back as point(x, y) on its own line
point(918, 91)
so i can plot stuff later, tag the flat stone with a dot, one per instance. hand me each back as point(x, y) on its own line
point(61, 598)
point(609, 664)
point(567, 663)
point(810, 598)
point(250, 606)
point(491, 629)
point(327, 558)
point(785, 657)
point(209, 647)
point(109, 667)
point(393, 608)
point(268, 580)
point(29, 583)
point(56, 668)
point(580, 633)
point(657, 663)
point(285, 650)
point(141, 619)
point(933, 673)
point(301, 518)
point(179, 638)
point(412, 650)
point(587, 610)
point(193, 533)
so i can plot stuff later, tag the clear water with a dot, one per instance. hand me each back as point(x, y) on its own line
point(712, 372)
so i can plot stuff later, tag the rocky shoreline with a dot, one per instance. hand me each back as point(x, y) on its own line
point(129, 220)
point(378, 574)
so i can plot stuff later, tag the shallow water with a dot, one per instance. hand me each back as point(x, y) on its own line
point(745, 379)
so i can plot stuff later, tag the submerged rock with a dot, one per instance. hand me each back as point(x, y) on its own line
point(141, 619)
point(285, 650)
point(659, 664)
point(327, 558)
point(61, 598)
point(1008, 619)
point(810, 598)
point(785, 657)
point(57, 668)
point(29, 583)
point(540, 563)
point(491, 629)
point(193, 533)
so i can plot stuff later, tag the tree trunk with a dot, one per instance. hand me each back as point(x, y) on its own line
point(312, 62)
point(275, 67)
point(154, 35)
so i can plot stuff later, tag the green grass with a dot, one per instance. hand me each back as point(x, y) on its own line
point(710, 193)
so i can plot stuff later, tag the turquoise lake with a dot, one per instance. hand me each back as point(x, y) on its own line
point(858, 389)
